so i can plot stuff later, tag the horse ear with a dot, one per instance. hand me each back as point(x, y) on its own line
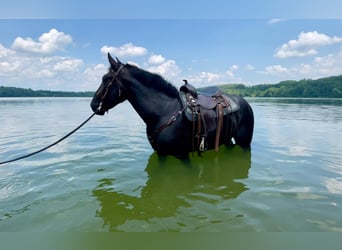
point(117, 59)
point(112, 61)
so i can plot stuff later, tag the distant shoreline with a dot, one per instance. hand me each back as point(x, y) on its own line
point(22, 92)
point(329, 87)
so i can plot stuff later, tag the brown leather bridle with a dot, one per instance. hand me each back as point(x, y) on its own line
point(109, 85)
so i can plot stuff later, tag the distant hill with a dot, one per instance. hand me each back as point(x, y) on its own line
point(329, 87)
point(22, 92)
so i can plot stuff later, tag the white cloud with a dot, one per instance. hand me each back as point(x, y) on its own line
point(48, 67)
point(231, 70)
point(327, 61)
point(276, 69)
point(4, 52)
point(327, 65)
point(47, 43)
point(167, 69)
point(204, 78)
point(39, 69)
point(306, 45)
point(126, 50)
point(94, 73)
point(7, 68)
point(304, 69)
point(210, 77)
point(156, 59)
point(45, 73)
point(68, 65)
point(250, 67)
point(276, 20)
point(322, 66)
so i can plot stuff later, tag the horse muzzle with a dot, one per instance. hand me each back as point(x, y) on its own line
point(98, 108)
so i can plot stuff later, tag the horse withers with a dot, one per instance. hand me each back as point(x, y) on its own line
point(177, 122)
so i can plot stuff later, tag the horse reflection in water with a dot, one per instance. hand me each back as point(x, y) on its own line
point(176, 190)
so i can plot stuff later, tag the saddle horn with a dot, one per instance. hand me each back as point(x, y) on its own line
point(188, 88)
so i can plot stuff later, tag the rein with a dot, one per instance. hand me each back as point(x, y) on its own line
point(52, 144)
point(167, 123)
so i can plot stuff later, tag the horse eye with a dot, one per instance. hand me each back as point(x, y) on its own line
point(105, 78)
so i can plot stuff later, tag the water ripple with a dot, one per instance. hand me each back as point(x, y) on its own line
point(13, 188)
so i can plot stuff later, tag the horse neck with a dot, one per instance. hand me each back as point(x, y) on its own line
point(153, 106)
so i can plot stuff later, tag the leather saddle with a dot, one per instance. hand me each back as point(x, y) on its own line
point(206, 109)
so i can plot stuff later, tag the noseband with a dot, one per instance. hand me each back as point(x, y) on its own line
point(116, 74)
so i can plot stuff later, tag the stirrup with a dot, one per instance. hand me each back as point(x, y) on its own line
point(203, 145)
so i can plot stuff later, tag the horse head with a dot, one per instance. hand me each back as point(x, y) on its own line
point(110, 93)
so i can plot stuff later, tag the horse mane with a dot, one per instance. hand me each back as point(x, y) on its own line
point(154, 80)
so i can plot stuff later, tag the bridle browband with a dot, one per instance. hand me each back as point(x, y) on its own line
point(109, 85)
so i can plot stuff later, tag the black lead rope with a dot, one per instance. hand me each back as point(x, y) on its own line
point(51, 145)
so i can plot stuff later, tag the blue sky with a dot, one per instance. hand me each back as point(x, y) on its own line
point(45, 45)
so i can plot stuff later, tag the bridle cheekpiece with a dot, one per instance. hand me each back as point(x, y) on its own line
point(109, 85)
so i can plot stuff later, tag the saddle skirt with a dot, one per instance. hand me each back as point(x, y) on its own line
point(206, 110)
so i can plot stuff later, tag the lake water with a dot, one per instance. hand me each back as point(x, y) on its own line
point(107, 178)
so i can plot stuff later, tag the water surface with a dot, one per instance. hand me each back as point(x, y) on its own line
point(107, 178)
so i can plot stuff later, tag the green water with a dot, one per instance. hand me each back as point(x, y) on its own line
point(107, 178)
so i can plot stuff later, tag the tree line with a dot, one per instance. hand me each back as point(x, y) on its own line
point(329, 87)
point(22, 92)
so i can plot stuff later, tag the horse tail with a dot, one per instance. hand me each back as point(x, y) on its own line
point(245, 126)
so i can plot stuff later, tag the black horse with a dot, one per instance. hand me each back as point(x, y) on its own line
point(161, 107)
